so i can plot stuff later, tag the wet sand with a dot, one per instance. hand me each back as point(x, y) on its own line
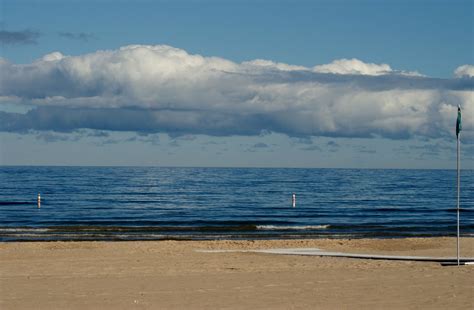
point(175, 275)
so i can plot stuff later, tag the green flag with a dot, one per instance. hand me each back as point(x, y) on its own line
point(458, 122)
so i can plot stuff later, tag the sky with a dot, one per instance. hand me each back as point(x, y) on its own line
point(325, 84)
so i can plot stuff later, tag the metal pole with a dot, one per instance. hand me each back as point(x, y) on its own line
point(459, 185)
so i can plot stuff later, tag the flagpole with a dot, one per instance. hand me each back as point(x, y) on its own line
point(458, 179)
point(458, 164)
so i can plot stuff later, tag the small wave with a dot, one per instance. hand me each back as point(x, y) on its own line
point(463, 210)
point(14, 230)
point(304, 227)
point(15, 203)
point(139, 229)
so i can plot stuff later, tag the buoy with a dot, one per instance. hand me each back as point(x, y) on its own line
point(39, 200)
point(293, 200)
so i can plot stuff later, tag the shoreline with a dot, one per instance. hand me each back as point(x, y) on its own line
point(178, 274)
point(202, 233)
point(240, 239)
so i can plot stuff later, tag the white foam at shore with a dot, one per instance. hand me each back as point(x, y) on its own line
point(304, 227)
point(12, 230)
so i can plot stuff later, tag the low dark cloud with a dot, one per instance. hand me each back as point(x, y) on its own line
point(71, 136)
point(148, 138)
point(302, 140)
point(24, 37)
point(152, 139)
point(176, 123)
point(332, 146)
point(81, 36)
point(313, 147)
point(430, 149)
point(51, 137)
point(260, 145)
point(108, 141)
point(96, 134)
point(364, 149)
point(214, 143)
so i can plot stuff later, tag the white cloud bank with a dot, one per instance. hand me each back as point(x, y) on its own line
point(355, 66)
point(464, 71)
point(164, 89)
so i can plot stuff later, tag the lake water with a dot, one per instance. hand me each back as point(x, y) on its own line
point(152, 203)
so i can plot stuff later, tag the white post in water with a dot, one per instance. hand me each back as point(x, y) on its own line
point(458, 165)
point(39, 200)
point(293, 200)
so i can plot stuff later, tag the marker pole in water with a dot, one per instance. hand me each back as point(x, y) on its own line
point(293, 200)
point(39, 200)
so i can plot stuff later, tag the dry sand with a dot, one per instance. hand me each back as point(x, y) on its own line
point(173, 275)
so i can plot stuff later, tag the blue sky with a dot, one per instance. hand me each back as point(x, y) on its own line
point(433, 37)
point(236, 83)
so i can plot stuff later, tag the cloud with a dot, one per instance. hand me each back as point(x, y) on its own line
point(332, 146)
point(19, 37)
point(302, 140)
point(353, 66)
point(152, 139)
point(257, 147)
point(162, 89)
point(76, 135)
point(81, 36)
point(186, 138)
point(313, 147)
point(431, 149)
point(214, 143)
point(464, 71)
point(268, 64)
point(260, 145)
point(97, 134)
point(109, 141)
point(55, 56)
point(356, 66)
point(51, 137)
point(364, 149)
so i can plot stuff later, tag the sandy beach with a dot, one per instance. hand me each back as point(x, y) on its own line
point(176, 275)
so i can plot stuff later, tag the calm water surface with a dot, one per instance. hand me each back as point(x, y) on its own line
point(141, 203)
